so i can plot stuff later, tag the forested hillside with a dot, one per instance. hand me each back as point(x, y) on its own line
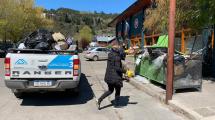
point(70, 22)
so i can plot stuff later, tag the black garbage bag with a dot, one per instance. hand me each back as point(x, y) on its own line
point(37, 40)
point(178, 59)
point(42, 46)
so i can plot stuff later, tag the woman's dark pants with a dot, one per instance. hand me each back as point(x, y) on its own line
point(111, 88)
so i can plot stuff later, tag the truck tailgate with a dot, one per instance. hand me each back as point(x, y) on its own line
point(37, 66)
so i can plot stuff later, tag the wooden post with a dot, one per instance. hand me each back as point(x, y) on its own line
point(153, 39)
point(142, 40)
point(182, 41)
point(132, 42)
point(145, 43)
point(212, 41)
point(170, 64)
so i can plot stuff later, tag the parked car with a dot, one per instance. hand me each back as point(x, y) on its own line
point(97, 53)
point(4, 48)
point(91, 48)
point(2, 53)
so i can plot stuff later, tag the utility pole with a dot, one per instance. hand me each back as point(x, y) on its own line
point(170, 60)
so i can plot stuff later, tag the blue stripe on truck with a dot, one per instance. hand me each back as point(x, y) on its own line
point(61, 62)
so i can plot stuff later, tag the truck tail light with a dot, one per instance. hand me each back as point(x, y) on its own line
point(76, 66)
point(7, 66)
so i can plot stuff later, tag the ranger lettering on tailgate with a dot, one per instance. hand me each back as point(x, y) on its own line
point(49, 66)
point(17, 73)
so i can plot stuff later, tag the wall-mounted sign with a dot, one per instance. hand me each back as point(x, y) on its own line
point(137, 23)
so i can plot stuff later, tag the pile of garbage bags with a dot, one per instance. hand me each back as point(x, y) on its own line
point(45, 40)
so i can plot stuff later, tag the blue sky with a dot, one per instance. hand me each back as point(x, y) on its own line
point(107, 6)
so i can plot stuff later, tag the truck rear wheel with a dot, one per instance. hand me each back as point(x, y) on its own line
point(17, 93)
point(74, 91)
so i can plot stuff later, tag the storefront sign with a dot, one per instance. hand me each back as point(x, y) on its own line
point(137, 23)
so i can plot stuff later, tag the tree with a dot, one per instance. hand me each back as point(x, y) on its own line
point(84, 36)
point(157, 19)
point(20, 17)
point(86, 33)
point(67, 19)
point(96, 21)
point(193, 14)
point(205, 15)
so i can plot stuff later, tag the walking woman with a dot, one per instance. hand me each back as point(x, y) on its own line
point(113, 76)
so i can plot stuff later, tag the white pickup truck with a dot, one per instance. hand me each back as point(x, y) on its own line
point(34, 70)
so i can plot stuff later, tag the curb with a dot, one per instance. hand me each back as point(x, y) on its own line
point(173, 104)
point(183, 110)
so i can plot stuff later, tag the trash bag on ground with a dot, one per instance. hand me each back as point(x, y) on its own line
point(39, 40)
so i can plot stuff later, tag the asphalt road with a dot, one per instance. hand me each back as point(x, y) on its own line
point(51, 106)
point(58, 106)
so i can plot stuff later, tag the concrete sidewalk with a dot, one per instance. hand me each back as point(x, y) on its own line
point(193, 104)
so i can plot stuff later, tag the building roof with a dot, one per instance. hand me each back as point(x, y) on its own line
point(104, 38)
point(134, 8)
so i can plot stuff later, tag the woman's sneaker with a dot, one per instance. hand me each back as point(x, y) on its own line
point(117, 103)
point(98, 104)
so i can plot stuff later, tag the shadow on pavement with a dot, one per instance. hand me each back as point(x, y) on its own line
point(89, 60)
point(124, 101)
point(187, 90)
point(60, 98)
point(184, 90)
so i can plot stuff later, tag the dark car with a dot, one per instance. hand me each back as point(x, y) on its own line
point(2, 53)
point(4, 47)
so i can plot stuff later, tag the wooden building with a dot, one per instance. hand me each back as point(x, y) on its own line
point(129, 24)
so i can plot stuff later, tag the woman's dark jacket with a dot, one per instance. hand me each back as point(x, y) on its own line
point(114, 69)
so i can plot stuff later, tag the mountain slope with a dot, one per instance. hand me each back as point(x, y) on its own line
point(69, 21)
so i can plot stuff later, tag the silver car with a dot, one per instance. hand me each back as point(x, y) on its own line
point(97, 53)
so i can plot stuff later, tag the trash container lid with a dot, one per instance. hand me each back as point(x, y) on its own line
point(162, 41)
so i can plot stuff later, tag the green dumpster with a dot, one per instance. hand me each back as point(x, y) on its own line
point(187, 74)
point(151, 71)
point(147, 67)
